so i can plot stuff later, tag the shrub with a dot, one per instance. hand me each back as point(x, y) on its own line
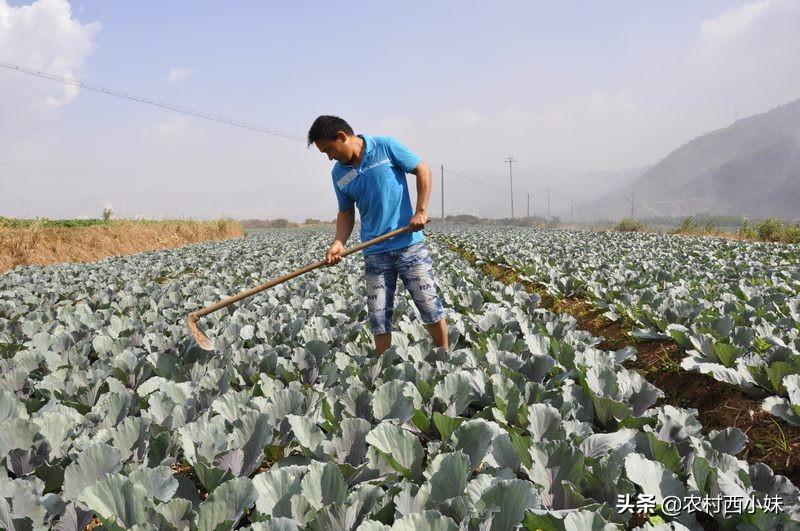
point(692, 225)
point(747, 231)
point(791, 234)
point(770, 230)
point(629, 225)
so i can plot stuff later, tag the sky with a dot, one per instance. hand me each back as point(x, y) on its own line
point(582, 94)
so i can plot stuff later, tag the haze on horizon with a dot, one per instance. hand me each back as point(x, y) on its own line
point(574, 92)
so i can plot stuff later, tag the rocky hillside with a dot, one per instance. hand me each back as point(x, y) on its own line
point(751, 168)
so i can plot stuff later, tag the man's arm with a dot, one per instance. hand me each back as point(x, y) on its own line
point(420, 217)
point(345, 221)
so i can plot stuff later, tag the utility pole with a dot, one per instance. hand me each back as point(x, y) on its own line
point(572, 216)
point(548, 204)
point(632, 201)
point(442, 187)
point(511, 161)
point(529, 205)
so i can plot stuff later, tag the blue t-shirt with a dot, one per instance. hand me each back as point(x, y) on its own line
point(379, 189)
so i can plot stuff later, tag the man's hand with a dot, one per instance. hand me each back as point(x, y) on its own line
point(419, 220)
point(334, 254)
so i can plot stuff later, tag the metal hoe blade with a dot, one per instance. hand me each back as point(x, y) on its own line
point(199, 335)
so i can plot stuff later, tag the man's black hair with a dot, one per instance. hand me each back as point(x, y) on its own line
point(326, 127)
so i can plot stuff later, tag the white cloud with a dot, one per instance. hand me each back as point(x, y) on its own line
point(734, 21)
point(179, 74)
point(44, 36)
point(758, 31)
point(747, 58)
point(173, 128)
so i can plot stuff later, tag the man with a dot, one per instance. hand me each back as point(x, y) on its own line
point(370, 173)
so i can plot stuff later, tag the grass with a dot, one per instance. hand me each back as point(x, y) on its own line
point(666, 363)
point(781, 442)
point(17, 243)
point(47, 242)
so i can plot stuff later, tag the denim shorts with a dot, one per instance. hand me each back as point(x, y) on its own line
point(415, 268)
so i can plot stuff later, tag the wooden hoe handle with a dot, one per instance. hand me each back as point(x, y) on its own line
point(193, 317)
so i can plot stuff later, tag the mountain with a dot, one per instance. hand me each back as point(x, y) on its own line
point(750, 168)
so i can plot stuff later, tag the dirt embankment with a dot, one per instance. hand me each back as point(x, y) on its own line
point(37, 244)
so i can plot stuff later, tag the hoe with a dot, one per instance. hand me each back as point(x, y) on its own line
point(203, 340)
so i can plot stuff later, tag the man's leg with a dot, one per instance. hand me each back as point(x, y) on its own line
point(381, 278)
point(415, 268)
point(438, 332)
point(382, 342)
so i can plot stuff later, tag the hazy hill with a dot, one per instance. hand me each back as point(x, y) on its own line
point(750, 168)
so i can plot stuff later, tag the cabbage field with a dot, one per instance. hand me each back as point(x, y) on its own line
point(110, 414)
point(733, 305)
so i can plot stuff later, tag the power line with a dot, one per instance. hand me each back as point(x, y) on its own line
point(492, 186)
point(140, 99)
point(476, 181)
point(527, 195)
point(125, 167)
point(257, 128)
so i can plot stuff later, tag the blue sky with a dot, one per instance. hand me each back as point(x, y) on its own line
point(575, 86)
point(283, 63)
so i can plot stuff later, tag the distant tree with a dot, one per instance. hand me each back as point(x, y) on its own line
point(463, 218)
point(281, 223)
point(108, 214)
